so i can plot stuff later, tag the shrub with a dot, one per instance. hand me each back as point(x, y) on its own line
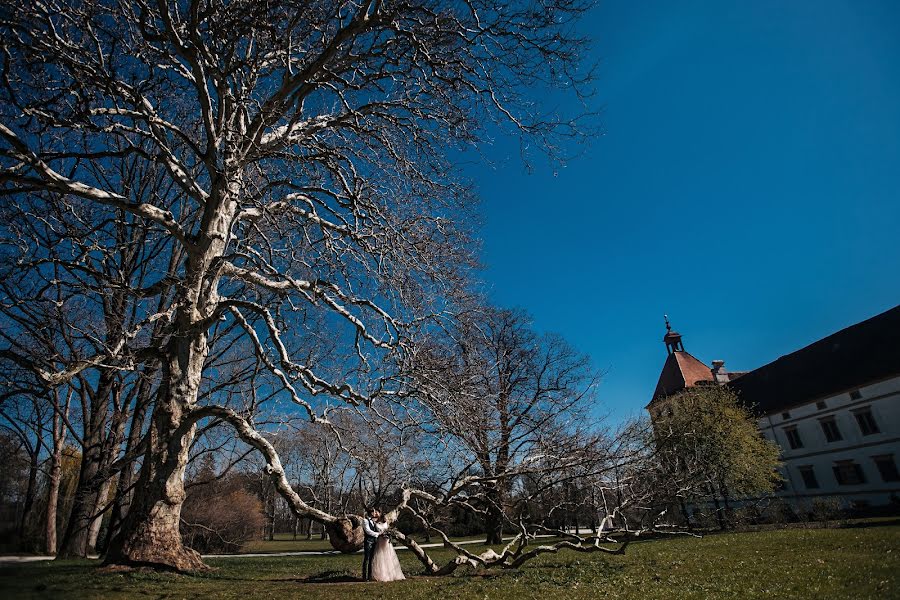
point(827, 509)
point(220, 516)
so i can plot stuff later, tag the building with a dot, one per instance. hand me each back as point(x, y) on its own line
point(833, 407)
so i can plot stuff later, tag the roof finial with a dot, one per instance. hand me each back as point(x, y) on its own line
point(672, 339)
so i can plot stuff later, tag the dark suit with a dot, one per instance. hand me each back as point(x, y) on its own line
point(369, 543)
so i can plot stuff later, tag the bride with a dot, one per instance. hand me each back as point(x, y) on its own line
point(385, 564)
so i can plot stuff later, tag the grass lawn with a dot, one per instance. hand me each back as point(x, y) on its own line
point(858, 563)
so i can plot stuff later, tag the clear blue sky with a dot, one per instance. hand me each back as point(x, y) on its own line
point(748, 184)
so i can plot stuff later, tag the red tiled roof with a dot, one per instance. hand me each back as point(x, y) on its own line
point(680, 371)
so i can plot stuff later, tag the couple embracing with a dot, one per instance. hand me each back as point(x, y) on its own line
point(380, 560)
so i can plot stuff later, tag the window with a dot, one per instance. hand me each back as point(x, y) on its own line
point(821, 405)
point(855, 395)
point(809, 477)
point(867, 424)
point(830, 429)
point(793, 437)
point(785, 415)
point(887, 467)
point(847, 472)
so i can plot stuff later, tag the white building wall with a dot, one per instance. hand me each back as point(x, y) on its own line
point(883, 398)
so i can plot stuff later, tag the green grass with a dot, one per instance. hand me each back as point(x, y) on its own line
point(856, 563)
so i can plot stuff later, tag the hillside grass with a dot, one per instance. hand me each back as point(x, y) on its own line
point(859, 563)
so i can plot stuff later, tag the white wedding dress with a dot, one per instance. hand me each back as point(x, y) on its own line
point(385, 564)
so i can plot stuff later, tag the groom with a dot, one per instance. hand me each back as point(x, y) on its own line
point(371, 538)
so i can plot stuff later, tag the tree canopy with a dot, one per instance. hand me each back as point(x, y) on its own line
point(710, 445)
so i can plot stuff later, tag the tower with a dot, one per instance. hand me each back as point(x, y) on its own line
point(681, 370)
point(672, 339)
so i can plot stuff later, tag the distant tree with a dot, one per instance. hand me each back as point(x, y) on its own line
point(503, 400)
point(709, 447)
point(14, 470)
point(24, 418)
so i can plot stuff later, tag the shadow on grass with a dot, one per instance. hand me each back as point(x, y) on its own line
point(331, 577)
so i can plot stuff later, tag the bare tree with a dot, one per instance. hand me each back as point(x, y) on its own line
point(25, 419)
point(305, 144)
point(504, 393)
point(66, 297)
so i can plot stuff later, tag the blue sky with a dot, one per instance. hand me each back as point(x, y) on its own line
point(747, 184)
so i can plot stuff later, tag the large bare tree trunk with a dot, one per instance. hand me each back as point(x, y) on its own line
point(150, 532)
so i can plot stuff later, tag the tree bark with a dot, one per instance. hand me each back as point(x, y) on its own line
point(127, 473)
point(270, 514)
point(53, 481)
point(29, 494)
point(494, 519)
point(97, 520)
point(150, 534)
point(75, 538)
point(75, 541)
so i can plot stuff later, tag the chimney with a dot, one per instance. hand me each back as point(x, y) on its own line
point(718, 371)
